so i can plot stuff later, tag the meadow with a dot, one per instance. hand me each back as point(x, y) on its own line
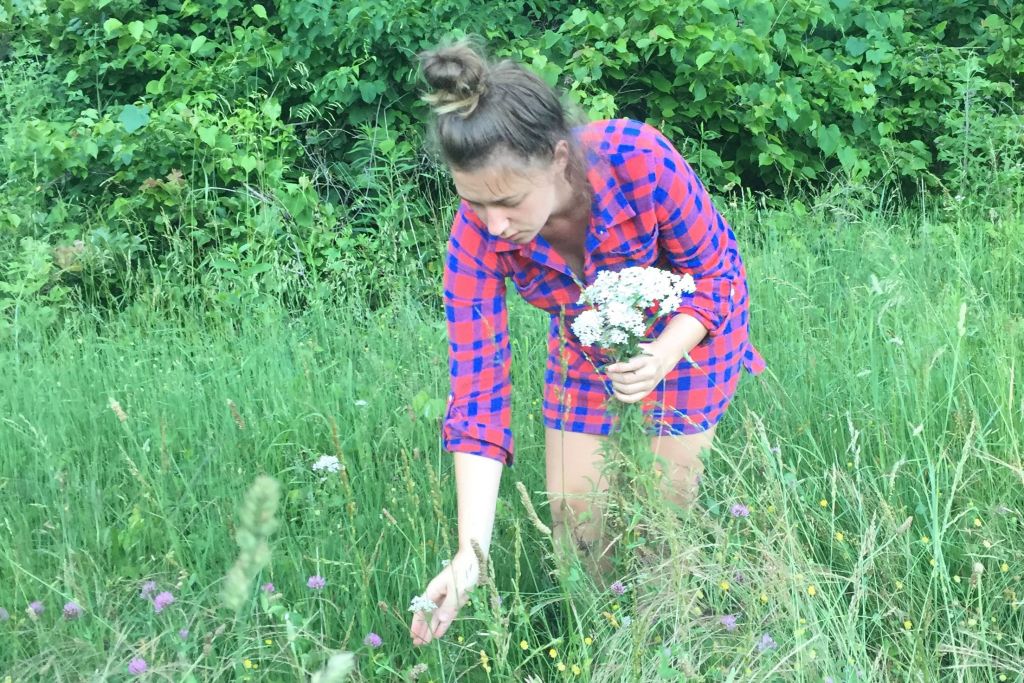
point(860, 518)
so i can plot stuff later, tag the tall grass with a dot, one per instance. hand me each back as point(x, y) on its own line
point(880, 460)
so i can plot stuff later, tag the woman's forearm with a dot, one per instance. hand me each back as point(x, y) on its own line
point(679, 337)
point(476, 483)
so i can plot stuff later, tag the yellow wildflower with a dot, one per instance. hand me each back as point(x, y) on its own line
point(764, 598)
point(823, 503)
point(552, 653)
point(840, 536)
point(956, 578)
point(561, 666)
point(1004, 567)
point(925, 539)
point(588, 641)
point(247, 663)
point(899, 585)
point(724, 585)
point(977, 521)
point(576, 670)
point(523, 644)
point(268, 641)
point(907, 624)
point(485, 661)
point(811, 590)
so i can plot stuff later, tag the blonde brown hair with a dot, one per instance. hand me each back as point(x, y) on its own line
point(481, 108)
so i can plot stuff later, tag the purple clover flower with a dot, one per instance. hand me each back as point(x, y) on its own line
point(618, 588)
point(4, 614)
point(183, 634)
point(147, 588)
point(373, 640)
point(316, 582)
point(268, 588)
point(739, 510)
point(766, 643)
point(137, 666)
point(162, 601)
point(72, 610)
point(36, 608)
point(729, 622)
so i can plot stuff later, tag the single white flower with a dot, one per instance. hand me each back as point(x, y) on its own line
point(361, 403)
point(327, 463)
point(422, 604)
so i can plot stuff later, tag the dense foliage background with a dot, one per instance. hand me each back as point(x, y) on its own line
point(170, 145)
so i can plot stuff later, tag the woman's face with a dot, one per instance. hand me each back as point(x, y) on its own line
point(514, 199)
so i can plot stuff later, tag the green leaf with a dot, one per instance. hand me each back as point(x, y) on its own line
point(856, 46)
point(779, 39)
point(829, 138)
point(664, 32)
point(208, 134)
point(703, 58)
point(71, 77)
point(699, 91)
point(847, 157)
point(259, 11)
point(271, 108)
point(197, 44)
point(111, 25)
point(133, 118)
point(135, 29)
point(660, 82)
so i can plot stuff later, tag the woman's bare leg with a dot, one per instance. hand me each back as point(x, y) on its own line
point(575, 486)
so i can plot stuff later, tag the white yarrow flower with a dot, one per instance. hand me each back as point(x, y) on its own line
point(327, 463)
point(422, 604)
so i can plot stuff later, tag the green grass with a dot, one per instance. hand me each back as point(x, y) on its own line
point(895, 346)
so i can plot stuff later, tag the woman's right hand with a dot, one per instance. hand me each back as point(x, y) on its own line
point(449, 590)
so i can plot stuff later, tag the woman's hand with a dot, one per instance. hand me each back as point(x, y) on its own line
point(449, 590)
point(634, 379)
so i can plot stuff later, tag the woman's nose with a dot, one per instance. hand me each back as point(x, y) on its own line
point(497, 222)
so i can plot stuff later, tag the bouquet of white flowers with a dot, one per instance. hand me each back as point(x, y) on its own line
point(622, 300)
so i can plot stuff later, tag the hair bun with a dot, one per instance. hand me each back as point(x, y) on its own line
point(457, 74)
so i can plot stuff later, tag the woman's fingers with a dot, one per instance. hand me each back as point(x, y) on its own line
point(444, 615)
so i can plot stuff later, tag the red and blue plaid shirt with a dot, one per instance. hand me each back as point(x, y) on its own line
point(649, 209)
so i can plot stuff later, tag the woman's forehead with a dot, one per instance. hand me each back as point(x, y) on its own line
point(500, 178)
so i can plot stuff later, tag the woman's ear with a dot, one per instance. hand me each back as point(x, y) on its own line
point(560, 159)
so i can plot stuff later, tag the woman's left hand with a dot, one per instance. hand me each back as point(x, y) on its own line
point(634, 379)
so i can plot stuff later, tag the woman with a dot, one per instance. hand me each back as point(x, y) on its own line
point(548, 205)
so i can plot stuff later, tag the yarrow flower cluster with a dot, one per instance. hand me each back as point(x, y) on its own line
point(422, 604)
point(621, 299)
point(327, 463)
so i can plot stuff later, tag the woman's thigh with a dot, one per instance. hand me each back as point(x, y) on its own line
point(574, 460)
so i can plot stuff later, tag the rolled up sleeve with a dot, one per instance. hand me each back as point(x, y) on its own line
point(695, 238)
point(478, 417)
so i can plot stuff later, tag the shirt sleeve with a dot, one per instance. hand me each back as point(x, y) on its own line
point(478, 417)
point(695, 238)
